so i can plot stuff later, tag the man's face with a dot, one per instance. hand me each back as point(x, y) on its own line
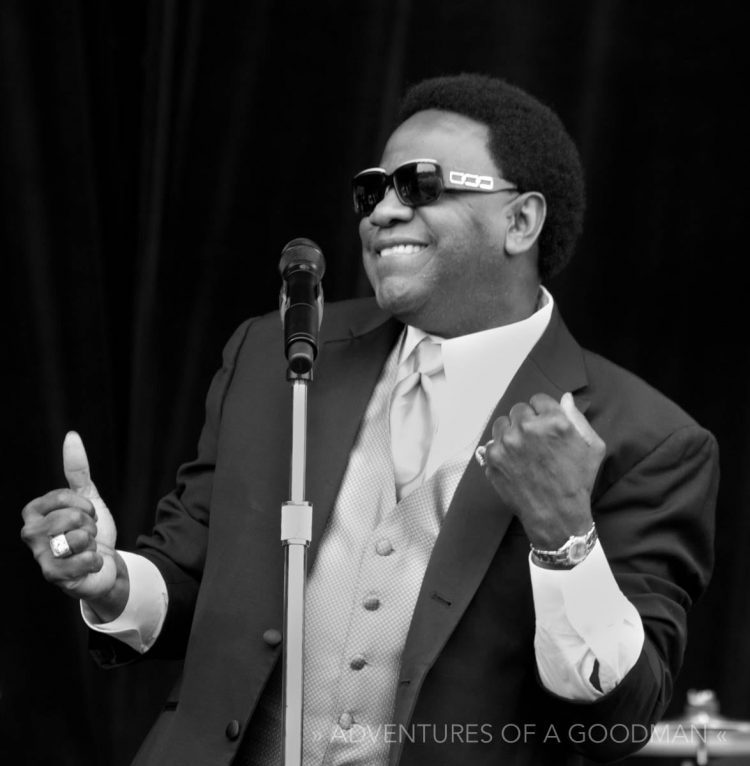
point(441, 267)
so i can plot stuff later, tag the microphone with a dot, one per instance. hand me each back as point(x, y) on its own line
point(302, 267)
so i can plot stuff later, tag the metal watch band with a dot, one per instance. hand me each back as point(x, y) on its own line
point(572, 552)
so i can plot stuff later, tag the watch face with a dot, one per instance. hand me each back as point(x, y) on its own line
point(577, 551)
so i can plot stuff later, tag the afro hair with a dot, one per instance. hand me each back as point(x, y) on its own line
point(528, 143)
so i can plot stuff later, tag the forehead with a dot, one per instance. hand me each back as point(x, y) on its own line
point(451, 139)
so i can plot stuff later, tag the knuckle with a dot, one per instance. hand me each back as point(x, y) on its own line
point(49, 573)
point(525, 427)
point(541, 400)
point(494, 452)
point(560, 424)
point(511, 439)
point(92, 561)
point(500, 424)
point(518, 409)
point(60, 497)
point(80, 518)
point(86, 523)
point(499, 428)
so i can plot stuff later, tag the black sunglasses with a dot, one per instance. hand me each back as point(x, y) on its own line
point(417, 183)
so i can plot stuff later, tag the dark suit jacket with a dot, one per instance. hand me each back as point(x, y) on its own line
point(469, 657)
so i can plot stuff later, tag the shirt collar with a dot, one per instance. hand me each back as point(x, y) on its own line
point(477, 369)
point(465, 347)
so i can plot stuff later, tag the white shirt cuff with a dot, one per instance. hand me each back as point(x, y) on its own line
point(141, 621)
point(582, 617)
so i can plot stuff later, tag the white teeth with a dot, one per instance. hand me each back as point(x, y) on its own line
point(401, 250)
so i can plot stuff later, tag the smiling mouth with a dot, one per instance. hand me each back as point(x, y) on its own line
point(388, 252)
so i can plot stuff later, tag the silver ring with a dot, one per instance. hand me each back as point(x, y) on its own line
point(479, 455)
point(60, 547)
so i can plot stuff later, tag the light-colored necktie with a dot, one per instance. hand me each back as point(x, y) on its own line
point(413, 415)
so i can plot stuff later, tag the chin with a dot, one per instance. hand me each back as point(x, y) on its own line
point(397, 303)
point(410, 315)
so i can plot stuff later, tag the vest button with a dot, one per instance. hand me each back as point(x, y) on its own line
point(345, 721)
point(384, 547)
point(272, 637)
point(357, 662)
point(233, 729)
point(370, 602)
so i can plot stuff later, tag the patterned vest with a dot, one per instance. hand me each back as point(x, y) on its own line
point(360, 598)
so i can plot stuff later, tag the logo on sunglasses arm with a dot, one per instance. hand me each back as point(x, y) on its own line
point(471, 181)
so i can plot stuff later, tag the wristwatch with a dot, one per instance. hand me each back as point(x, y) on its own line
point(572, 552)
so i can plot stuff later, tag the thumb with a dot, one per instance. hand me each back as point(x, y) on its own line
point(575, 416)
point(76, 466)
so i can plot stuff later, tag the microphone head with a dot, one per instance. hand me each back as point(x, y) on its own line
point(302, 254)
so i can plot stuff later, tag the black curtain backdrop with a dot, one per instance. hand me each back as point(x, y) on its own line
point(156, 156)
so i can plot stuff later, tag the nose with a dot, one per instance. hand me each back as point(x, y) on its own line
point(390, 210)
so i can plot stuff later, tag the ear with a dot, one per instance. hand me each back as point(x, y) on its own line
point(527, 213)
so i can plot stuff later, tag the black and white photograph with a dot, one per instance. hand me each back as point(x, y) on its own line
point(378, 388)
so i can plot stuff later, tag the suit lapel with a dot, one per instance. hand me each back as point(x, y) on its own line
point(476, 522)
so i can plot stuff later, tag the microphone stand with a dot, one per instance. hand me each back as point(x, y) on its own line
point(296, 533)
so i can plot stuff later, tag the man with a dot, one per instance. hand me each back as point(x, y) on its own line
point(434, 636)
